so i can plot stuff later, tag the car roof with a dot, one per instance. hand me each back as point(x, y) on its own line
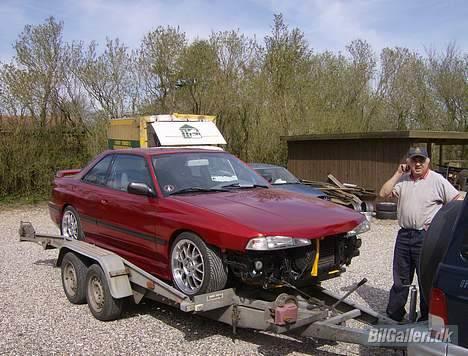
point(263, 165)
point(151, 151)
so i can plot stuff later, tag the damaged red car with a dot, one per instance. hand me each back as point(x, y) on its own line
point(202, 219)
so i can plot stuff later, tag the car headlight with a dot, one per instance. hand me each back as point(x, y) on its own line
point(268, 243)
point(360, 229)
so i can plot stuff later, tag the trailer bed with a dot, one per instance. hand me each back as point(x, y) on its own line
point(310, 312)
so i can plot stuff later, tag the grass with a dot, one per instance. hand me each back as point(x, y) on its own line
point(17, 201)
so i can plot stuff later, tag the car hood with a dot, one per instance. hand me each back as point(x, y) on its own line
point(276, 212)
point(300, 188)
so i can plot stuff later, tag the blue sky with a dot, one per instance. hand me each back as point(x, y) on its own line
point(327, 24)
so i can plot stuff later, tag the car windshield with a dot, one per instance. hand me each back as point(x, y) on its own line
point(277, 175)
point(202, 172)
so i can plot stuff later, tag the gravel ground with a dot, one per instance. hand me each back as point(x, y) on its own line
point(36, 318)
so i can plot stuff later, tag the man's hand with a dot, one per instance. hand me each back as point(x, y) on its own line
point(387, 188)
point(403, 168)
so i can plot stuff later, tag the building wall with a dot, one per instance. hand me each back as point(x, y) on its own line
point(368, 163)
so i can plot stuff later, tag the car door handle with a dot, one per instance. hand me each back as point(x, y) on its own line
point(104, 202)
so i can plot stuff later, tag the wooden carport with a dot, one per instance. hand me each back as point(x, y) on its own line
point(367, 159)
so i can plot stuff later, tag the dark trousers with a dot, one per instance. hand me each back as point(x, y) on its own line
point(405, 263)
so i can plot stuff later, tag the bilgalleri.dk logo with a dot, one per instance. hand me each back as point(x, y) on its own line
point(393, 335)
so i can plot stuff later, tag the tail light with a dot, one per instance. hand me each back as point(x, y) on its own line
point(438, 316)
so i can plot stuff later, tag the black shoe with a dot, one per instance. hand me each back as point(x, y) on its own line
point(422, 318)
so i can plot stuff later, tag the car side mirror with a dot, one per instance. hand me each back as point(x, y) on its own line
point(140, 189)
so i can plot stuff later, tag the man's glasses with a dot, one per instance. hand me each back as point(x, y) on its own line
point(418, 159)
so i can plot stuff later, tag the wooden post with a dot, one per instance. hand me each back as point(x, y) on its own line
point(429, 149)
point(440, 154)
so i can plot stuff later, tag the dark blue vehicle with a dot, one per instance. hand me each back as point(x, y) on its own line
point(444, 277)
point(281, 178)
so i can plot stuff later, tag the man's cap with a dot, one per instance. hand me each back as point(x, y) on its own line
point(417, 152)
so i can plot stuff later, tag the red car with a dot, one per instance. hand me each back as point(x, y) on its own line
point(201, 217)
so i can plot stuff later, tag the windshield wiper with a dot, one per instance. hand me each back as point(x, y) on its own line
point(198, 189)
point(238, 185)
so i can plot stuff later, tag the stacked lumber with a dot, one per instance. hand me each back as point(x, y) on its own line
point(350, 195)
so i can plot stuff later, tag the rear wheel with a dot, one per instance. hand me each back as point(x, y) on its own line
point(196, 267)
point(74, 278)
point(100, 301)
point(70, 226)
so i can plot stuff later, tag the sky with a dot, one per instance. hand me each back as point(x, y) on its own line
point(327, 24)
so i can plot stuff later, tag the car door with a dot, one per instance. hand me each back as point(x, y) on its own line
point(453, 277)
point(449, 297)
point(128, 221)
point(86, 197)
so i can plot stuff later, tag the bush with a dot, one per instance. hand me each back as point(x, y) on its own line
point(30, 156)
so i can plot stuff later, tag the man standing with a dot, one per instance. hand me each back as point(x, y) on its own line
point(421, 192)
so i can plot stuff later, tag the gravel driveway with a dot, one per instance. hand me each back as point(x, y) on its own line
point(36, 318)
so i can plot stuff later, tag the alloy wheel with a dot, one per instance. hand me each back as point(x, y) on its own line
point(187, 266)
point(70, 225)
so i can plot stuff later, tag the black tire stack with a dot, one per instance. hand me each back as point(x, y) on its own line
point(386, 211)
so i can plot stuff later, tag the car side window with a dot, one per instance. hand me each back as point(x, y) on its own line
point(128, 169)
point(97, 174)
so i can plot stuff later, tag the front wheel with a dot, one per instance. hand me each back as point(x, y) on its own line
point(196, 267)
point(100, 301)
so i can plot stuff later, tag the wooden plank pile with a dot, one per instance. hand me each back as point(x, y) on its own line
point(350, 195)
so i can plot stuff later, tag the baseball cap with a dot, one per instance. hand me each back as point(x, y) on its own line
point(417, 152)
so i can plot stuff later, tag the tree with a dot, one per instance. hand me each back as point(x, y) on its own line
point(106, 77)
point(198, 73)
point(159, 67)
point(448, 81)
point(31, 82)
point(238, 62)
point(403, 89)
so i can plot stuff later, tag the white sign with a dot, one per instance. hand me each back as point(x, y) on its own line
point(185, 133)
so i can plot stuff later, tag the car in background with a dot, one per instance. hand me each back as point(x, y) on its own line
point(198, 217)
point(444, 279)
point(280, 178)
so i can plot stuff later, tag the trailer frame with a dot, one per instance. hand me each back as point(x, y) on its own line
point(310, 312)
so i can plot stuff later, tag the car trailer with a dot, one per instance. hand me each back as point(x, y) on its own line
point(103, 279)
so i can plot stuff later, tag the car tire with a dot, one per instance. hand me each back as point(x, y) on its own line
point(436, 243)
point(74, 278)
point(196, 268)
point(70, 225)
point(102, 305)
point(386, 206)
point(386, 215)
point(367, 206)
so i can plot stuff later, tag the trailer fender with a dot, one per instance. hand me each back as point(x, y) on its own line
point(115, 271)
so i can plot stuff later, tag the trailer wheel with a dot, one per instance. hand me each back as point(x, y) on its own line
point(100, 301)
point(74, 278)
point(196, 268)
point(70, 226)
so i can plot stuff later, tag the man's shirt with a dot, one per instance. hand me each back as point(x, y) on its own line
point(420, 199)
